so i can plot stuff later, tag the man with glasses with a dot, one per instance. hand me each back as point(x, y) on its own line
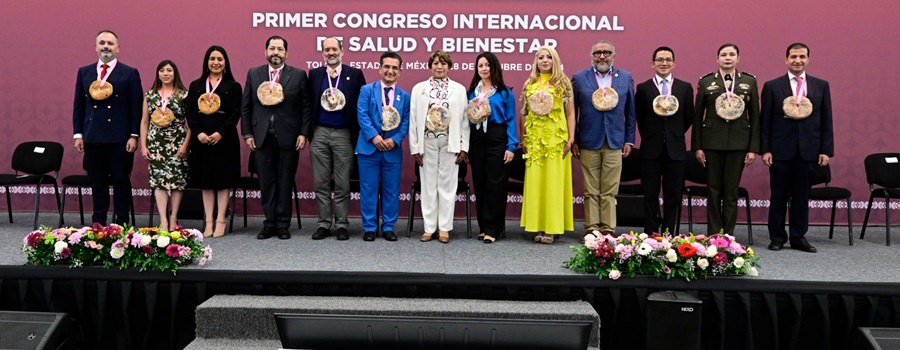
point(605, 119)
point(665, 112)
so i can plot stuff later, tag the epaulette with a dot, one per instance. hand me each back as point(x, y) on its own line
point(708, 74)
point(751, 75)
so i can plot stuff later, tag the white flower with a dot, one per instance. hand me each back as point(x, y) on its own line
point(203, 261)
point(752, 271)
point(117, 253)
point(739, 262)
point(644, 249)
point(59, 246)
point(711, 251)
point(162, 242)
point(643, 236)
point(614, 274)
point(703, 263)
point(671, 256)
point(145, 240)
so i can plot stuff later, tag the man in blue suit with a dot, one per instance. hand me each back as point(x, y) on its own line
point(383, 113)
point(793, 144)
point(107, 120)
point(604, 134)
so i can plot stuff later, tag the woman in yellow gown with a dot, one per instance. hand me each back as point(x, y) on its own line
point(547, 140)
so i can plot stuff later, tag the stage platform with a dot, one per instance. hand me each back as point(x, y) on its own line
point(798, 301)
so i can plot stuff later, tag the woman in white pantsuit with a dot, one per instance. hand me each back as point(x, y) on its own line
point(439, 140)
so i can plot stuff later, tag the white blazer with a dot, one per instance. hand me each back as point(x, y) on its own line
point(459, 124)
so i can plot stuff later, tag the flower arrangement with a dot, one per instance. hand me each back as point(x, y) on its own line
point(662, 255)
point(116, 246)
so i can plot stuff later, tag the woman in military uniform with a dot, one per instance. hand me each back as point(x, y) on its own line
point(725, 134)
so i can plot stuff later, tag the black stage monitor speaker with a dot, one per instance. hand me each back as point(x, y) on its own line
point(31, 330)
point(673, 315)
point(878, 339)
point(333, 332)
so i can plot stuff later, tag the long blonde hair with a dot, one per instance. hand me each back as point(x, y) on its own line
point(557, 78)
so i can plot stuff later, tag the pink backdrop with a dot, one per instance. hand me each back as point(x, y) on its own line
point(852, 46)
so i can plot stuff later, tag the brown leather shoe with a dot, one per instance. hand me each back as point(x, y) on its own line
point(444, 236)
point(426, 237)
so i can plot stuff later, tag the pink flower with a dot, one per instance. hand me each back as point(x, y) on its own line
point(173, 251)
point(720, 242)
point(700, 237)
point(736, 248)
point(66, 252)
point(76, 235)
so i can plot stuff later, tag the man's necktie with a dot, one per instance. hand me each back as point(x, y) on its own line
point(799, 86)
point(275, 75)
point(665, 87)
point(387, 93)
point(103, 72)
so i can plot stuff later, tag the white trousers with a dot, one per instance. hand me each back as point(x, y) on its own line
point(439, 175)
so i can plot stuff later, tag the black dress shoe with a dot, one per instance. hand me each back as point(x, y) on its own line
point(803, 246)
point(369, 236)
point(389, 236)
point(342, 234)
point(321, 233)
point(776, 246)
point(283, 233)
point(265, 233)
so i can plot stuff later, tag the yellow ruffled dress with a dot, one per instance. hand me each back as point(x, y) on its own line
point(547, 198)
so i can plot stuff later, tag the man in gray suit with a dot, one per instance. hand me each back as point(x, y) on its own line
point(275, 124)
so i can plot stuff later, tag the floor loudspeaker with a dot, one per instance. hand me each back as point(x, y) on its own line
point(31, 330)
point(878, 338)
point(673, 315)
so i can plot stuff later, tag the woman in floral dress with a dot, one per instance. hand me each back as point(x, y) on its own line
point(547, 141)
point(164, 140)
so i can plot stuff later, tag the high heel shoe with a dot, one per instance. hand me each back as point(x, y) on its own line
point(220, 229)
point(208, 232)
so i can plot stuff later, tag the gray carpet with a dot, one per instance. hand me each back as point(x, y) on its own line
point(868, 260)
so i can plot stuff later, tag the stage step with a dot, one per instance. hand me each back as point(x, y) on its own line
point(247, 322)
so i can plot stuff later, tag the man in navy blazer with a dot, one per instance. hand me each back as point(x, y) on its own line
point(107, 129)
point(380, 152)
point(333, 132)
point(663, 150)
point(793, 146)
point(602, 138)
point(277, 133)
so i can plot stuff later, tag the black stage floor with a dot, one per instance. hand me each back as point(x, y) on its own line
point(798, 301)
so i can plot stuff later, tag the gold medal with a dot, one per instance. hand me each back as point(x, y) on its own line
point(270, 94)
point(209, 103)
point(605, 99)
point(794, 111)
point(390, 118)
point(729, 110)
point(665, 105)
point(100, 93)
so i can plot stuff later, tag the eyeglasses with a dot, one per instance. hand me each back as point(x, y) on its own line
point(599, 54)
point(666, 60)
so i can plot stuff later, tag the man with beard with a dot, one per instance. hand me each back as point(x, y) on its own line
point(333, 130)
point(605, 119)
point(275, 124)
point(107, 121)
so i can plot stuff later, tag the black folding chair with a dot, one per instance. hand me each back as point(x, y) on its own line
point(630, 199)
point(833, 194)
point(83, 181)
point(696, 173)
point(251, 183)
point(32, 163)
point(883, 171)
point(461, 187)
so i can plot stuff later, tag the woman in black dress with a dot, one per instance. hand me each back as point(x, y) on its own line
point(213, 111)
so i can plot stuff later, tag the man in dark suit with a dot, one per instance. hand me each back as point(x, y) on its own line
point(602, 137)
point(333, 132)
point(380, 151)
point(277, 132)
point(725, 146)
point(107, 126)
point(663, 151)
point(793, 144)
